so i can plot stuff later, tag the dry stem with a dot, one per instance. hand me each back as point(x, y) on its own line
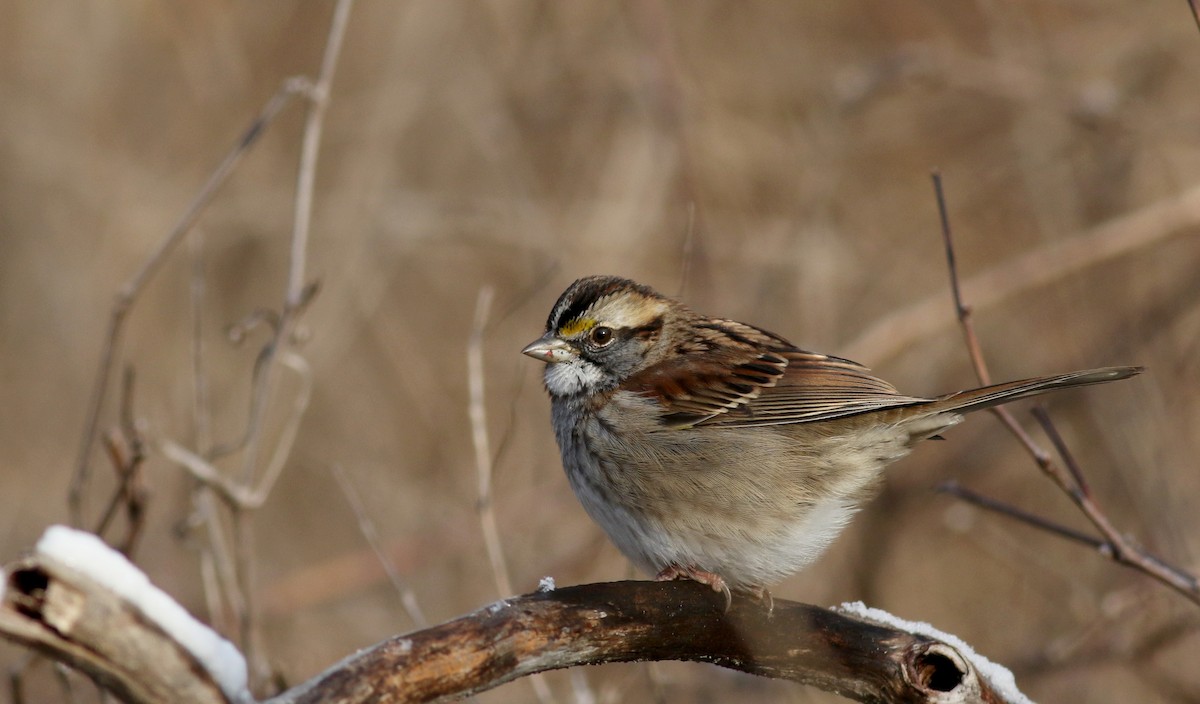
point(367, 527)
point(1114, 545)
point(1117, 237)
point(129, 292)
point(483, 461)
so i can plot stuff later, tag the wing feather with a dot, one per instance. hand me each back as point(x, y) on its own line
point(737, 375)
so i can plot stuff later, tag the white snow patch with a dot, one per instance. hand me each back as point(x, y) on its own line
point(89, 555)
point(546, 584)
point(496, 607)
point(999, 677)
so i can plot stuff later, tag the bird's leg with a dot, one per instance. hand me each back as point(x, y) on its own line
point(696, 574)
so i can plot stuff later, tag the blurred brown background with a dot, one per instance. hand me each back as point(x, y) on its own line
point(779, 152)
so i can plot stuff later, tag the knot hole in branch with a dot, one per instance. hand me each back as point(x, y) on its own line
point(937, 670)
point(27, 591)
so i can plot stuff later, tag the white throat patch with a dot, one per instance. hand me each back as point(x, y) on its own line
point(569, 378)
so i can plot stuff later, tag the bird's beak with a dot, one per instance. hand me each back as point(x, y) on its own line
point(549, 348)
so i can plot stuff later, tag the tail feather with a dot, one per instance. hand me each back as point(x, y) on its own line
point(997, 394)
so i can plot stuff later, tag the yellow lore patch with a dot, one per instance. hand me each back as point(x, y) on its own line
point(576, 326)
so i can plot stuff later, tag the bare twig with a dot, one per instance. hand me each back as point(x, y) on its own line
point(218, 577)
point(367, 527)
point(957, 490)
point(689, 245)
point(126, 452)
point(1117, 237)
point(297, 292)
point(961, 310)
point(477, 409)
point(296, 295)
point(479, 440)
point(1060, 446)
point(1195, 12)
point(218, 569)
point(237, 495)
point(127, 462)
point(310, 149)
point(204, 472)
point(129, 291)
point(1114, 545)
point(197, 290)
point(1120, 547)
point(256, 480)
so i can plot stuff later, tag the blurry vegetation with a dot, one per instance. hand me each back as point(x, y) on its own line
point(779, 152)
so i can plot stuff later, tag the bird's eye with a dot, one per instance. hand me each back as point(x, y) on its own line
point(601, 336)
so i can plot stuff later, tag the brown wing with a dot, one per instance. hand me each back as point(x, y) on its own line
point(736, 375)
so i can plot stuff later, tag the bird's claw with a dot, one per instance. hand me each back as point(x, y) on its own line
point(712, 579)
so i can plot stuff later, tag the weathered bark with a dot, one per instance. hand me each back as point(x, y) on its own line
point(71, 618)
point(635, 621)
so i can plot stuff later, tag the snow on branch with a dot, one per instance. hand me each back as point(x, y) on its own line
point(635, 621)
point(80, 603)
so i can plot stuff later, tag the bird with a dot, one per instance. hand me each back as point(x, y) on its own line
point(717, 451)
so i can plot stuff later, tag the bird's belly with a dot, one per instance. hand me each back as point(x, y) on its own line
point(752, 507)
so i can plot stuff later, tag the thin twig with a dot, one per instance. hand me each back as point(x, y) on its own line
point(291, 425)
point(1115, 545)
point(126, 453)
point(296, 289)
point(366, 526)
point(197, 291)
point(689, 245)
point(220, 550)
point(203, 471)
point(310, 149)
point(961, 492)
point(297, 293)
point(126, 465)
point(133, 496)
point(246, 571)
point(483, 462)
point(1060, 446)
point(217, 576)
point(961, 309)
point(1195, 12)
point(1039, 267)
point(128, 292)
point(479, 440)
point(239, 496)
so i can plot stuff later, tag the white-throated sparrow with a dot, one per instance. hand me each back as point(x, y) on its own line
point(714, 450)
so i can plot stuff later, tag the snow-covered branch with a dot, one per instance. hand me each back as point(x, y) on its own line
point(81, 603)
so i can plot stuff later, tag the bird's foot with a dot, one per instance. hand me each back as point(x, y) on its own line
point(696, 574)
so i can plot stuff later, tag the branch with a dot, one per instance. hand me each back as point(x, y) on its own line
point(636, 621)
point(81, 603)
point(74, 619)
